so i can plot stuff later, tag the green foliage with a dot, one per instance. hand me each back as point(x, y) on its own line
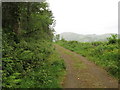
point(29, 58)
point(47, 75)
point(102, 53)
point(112, 39)
point(11, 81)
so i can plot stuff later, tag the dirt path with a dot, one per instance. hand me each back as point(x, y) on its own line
point(82, 73)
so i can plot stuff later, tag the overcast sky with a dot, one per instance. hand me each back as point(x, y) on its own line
point(85, 16)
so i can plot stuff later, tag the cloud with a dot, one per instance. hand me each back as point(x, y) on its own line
point(85, 16)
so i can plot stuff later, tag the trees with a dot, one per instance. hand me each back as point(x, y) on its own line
point(27, 38)
point(23, 18)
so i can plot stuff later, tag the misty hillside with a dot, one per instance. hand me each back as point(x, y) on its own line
point(84, 38)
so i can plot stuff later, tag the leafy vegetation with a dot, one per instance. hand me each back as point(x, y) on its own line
point(104, 54)
point(29, 59)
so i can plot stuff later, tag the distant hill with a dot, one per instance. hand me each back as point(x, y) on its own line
point(69, 36)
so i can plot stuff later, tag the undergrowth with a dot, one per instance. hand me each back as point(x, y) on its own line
point(104, 54)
